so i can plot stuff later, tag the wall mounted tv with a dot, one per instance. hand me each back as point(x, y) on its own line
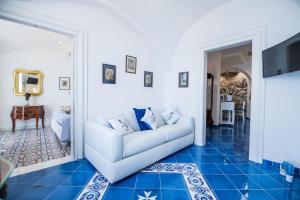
point(282, 58)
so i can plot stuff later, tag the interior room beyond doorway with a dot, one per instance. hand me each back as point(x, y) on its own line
point(229, 97)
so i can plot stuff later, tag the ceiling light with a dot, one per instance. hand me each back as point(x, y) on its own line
point(66, 46)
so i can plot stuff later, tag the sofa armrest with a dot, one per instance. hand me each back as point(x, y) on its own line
point(185, 119)
point(106, 141)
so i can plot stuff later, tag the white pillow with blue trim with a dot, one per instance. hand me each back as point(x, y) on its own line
point(170, 116)
point(149, 119)
point(120, 124)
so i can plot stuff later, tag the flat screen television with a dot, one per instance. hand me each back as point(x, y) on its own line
point(33, 81)
point(282, 58)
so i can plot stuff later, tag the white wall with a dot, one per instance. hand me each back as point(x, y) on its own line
point(214, 63)
point(110, 39)
point(282, 130)
point(280, 18)
point(53, 63)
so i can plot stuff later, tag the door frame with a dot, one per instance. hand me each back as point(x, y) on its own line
point(257, 37)
point(79, 34)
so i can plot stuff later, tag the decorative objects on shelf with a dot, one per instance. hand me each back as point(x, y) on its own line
point(64, 83)
point(108, 74)
point(183, 81)
point(131, 64)
point(148, 79)
point(28, 81)
point(26, 113)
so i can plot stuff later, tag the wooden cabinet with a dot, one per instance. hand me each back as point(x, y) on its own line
point(26, 113)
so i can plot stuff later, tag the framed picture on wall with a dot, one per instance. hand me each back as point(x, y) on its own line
point(64, 83)
point(131, 64)
point(108, 74)
point(183, 80)
point(148, 79)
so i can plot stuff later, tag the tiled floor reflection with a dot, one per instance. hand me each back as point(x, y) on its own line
point(223, 163)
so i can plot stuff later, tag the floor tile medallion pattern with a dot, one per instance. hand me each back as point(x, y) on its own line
point(194, 182)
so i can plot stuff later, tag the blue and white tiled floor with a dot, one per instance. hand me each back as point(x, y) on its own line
point(223, 163)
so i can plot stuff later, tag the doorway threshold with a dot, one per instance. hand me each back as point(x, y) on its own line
point(39, 166)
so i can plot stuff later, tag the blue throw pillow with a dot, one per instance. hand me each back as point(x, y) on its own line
point(139, 114)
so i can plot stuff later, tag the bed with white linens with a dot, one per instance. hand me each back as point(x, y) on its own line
point(61, 125)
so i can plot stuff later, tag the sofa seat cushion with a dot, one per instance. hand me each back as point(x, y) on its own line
point(175, 131)
point(138, 142)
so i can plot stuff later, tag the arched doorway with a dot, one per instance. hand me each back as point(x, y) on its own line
point(237, 84)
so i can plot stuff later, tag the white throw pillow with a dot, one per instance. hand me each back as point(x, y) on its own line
point(170, 116)
point(103, 122)
point(120, 124)
point(149, 119)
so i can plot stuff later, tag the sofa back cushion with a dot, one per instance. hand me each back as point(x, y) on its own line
point(102, 121)
point(135, 143)
point(130, 118)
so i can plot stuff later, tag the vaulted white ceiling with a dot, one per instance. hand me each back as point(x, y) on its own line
point(165, 20)
point(162, 21)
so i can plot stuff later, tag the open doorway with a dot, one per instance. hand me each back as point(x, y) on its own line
point(37, 98)
point(228, 99)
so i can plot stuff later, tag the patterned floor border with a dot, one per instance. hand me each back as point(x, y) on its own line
point(196, 184)
point(30, 146)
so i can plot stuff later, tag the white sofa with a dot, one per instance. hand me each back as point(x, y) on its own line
point(117, 156)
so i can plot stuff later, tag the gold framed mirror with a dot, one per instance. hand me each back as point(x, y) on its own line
point(28, 81)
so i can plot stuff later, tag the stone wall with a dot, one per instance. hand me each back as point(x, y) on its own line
point(235, 84)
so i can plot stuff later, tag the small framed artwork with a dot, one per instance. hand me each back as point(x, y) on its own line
point(148, 79)
point(183, 80)
point(131, 64)
point(64, 83)
point(108, 74)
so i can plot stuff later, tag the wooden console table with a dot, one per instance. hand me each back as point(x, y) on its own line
point(26, 113)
